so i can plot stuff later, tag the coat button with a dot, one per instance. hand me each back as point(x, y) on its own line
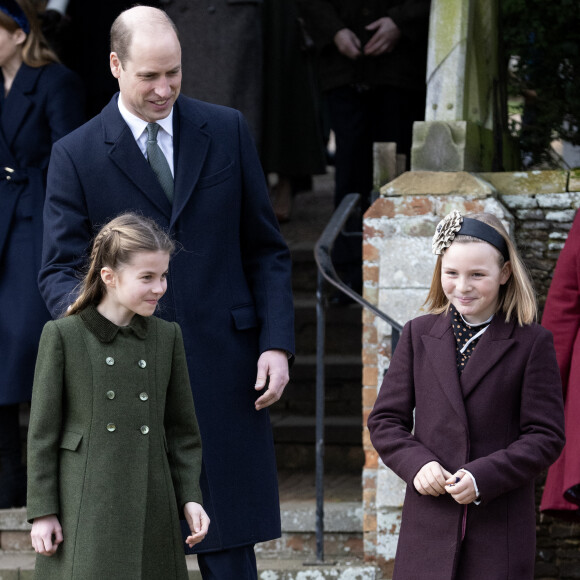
point(144, 429)
point(143, 396)
point(211, 9)
point(110, 361)
point(111, 427)
point(142, 363)
point(110, 394)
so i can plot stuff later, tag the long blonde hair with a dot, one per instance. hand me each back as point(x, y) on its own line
point(516, 297)
point(114, 246)
point(35, 51)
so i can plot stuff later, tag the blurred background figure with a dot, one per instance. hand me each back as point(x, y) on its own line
point(221, 43)
point(372, 58)
point(292, 136)
point(79, 31)
point(40, 102)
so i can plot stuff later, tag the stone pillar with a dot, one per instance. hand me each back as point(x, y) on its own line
point(398, 266)
point(463, 128)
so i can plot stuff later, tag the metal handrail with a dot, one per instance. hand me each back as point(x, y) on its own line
point(327, 272)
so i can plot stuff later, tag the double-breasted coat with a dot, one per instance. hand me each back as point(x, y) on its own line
point(229, 285)
point(114, 450)
point(502, 421)
point(43, 105)
point(562, 318)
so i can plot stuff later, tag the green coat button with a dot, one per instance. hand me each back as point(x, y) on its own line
point(143, 396)
point(110, 361)
point(142, 363)
point(111, 427)
point(144, 429)
point(110, 394)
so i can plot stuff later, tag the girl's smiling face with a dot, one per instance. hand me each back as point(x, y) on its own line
point(135, 288)
point(471, 278)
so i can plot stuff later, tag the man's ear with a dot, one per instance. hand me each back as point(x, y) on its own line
point(115, 65)
point(108, 277)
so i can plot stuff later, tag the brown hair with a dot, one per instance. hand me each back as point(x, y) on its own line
point(516, 296)
point(123, 28)
point(35, 51)
point(114, 246)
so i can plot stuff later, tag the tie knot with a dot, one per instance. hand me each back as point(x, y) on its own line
point(152, 129)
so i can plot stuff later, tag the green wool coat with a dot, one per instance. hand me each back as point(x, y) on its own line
point(113, 447)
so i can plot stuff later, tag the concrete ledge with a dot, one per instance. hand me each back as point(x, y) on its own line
point(459, 183)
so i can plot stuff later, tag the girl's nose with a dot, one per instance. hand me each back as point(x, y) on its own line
point(463, 284)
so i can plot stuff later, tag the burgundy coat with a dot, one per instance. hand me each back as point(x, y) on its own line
point(502, 421)
point(562, 317)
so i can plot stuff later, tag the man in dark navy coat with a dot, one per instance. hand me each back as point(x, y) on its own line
point(229, 283)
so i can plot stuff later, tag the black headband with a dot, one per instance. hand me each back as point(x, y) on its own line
point(12, 9)
point(483, 231)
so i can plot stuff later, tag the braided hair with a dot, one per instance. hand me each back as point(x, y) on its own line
point(115, 246)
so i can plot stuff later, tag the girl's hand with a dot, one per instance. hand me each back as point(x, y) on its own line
point(46, 535)
point(460, 487)
point(198, 522)
point(431, 479)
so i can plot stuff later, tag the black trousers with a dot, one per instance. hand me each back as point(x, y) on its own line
point(235, 563)
point(359, 117)
point(12, 471)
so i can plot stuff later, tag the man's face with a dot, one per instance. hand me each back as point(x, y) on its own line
point(150, 78)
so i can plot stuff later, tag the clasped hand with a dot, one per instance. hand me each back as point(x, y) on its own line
point(385, 38)
point(433, 479)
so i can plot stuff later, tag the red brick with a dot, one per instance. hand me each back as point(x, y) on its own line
point(381, 207)
point(371, 459)
point(371, 273)
point(370, 253)
point(370, 376)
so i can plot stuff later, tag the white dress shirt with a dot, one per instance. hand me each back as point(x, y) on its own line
point(139, 129)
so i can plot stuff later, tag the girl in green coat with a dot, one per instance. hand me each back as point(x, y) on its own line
point(114, 448)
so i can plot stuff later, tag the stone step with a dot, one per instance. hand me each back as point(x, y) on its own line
point(20, 566)
point(343, 327)
point(343, 380)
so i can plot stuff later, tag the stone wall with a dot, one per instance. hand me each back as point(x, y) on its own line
point(538, 208)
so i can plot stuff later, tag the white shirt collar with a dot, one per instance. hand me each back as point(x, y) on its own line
point(138, 125)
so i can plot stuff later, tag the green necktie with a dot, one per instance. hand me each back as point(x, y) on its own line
point(158, 161)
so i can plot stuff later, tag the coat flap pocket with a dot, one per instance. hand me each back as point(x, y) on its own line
point(70, 440)
point(245, 316)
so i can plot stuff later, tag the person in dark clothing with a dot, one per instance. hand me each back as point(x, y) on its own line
point(372, 58)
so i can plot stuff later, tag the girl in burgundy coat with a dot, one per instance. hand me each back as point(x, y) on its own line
point(470, 412)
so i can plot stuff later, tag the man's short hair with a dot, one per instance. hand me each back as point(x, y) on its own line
point(122, 31)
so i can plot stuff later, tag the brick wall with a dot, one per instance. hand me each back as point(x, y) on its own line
point(538, 208)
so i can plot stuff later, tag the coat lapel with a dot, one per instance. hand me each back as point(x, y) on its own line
point(191, 145)
point(126, 155)
point(440, 349)
point(492, 346)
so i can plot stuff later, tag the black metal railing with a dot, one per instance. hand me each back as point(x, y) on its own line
point(327, 273)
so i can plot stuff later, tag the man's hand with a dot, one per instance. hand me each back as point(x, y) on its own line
point(272, 364)
point(198, 522)
point(384, 39)
point(431, 479)
point(347, 43)
point(46, 535)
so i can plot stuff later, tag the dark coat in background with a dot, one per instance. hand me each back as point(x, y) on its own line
point(292, 139)
point(43, 105)
point(562, 316)
point(405, 67)
point(502, 421)
point(229, 284)
point(114, 449)
point(221, 53)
